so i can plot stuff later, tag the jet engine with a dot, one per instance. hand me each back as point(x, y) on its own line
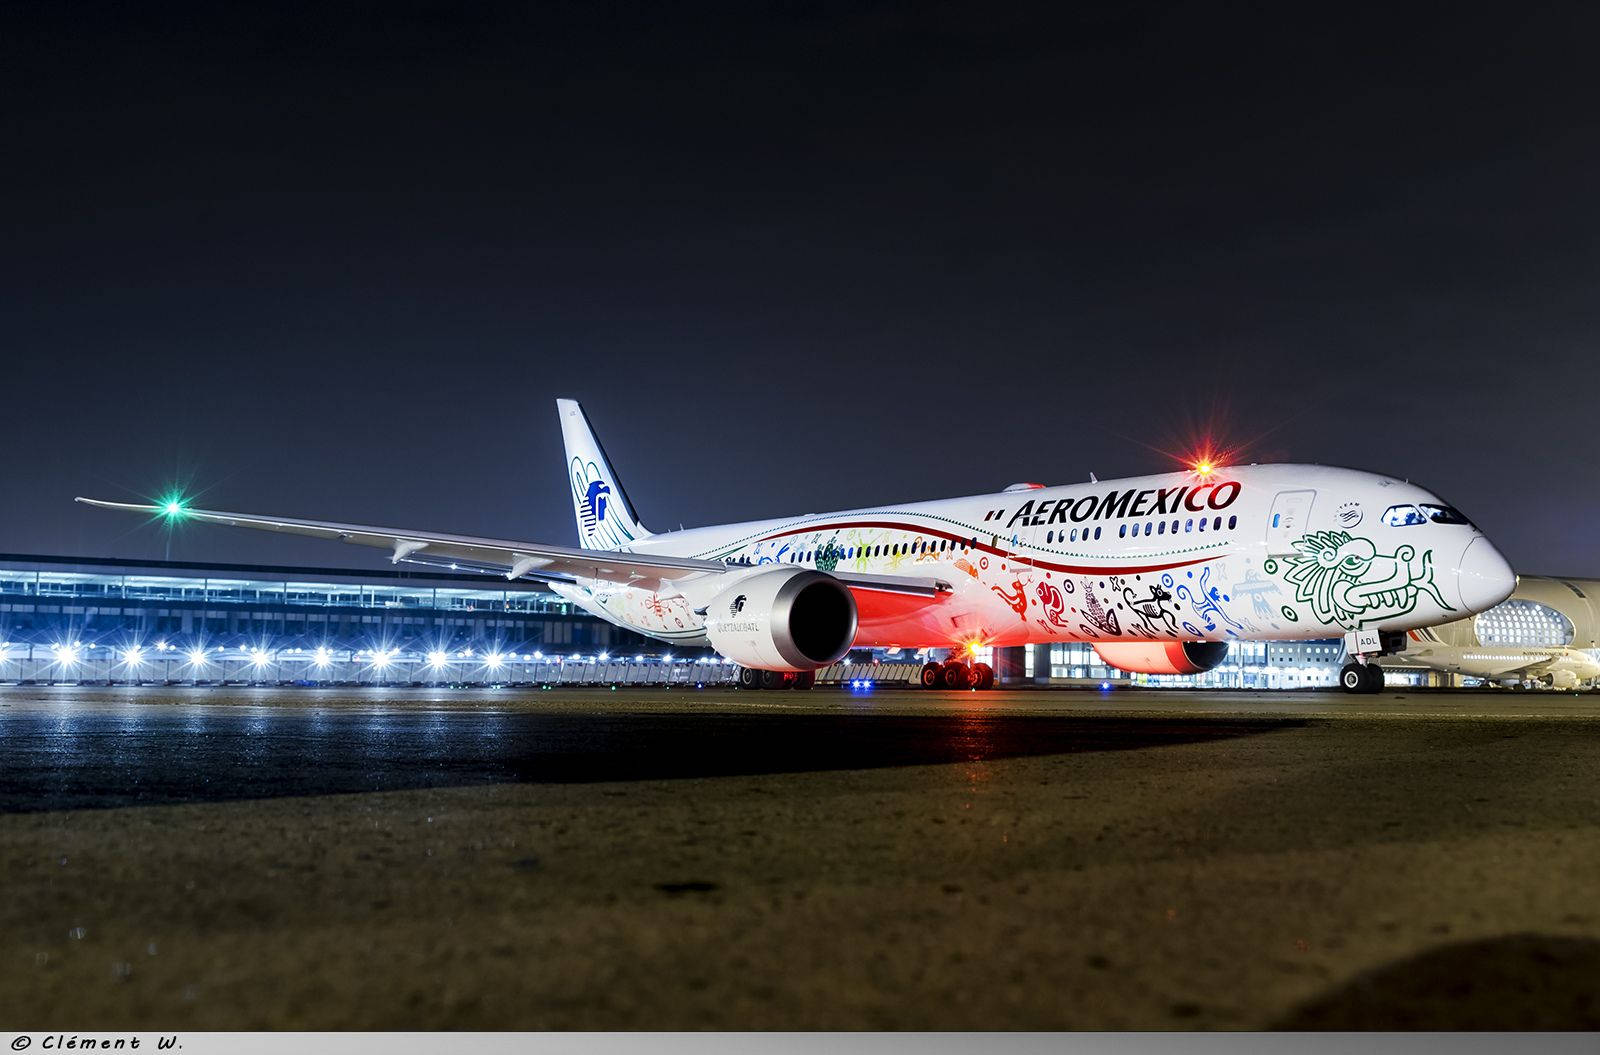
point(789, 619)
point(1163, 657)
point(1561, 679)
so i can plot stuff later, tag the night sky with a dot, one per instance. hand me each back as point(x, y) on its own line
point(792, 258)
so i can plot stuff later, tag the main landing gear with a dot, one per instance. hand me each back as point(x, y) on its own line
point(954, 674)
point(775, 679)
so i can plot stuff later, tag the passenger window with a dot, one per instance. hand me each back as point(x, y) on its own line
point(1097, 533)
point(1189, 524)
point(1216, 525)
point(1161, 528)
point(1202, 524)
point(1403, 516)
point(1123, 531)
point(1233, 522)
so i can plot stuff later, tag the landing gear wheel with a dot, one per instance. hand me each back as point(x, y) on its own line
point(749, 679)
point(1353, 677)
point(982, 676)
point(1374, 678)
point(930, 676)
point(774, 679)
point(804, 680)
point(955, 675)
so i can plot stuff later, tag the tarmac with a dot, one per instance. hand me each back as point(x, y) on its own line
point(650, 859)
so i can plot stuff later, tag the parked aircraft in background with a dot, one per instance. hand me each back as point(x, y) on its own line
point(1544, 634)
point(1159, 572)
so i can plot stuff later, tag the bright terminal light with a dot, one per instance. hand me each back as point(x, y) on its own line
point(259, 657)
point(494, 659)
point(604, 656)
point(381, 657)
point(134, 656)
point(322, 657)
point(437, 659)
point(66, 655)
point(197, 657)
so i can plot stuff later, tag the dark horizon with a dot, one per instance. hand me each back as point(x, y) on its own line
point(790, 259)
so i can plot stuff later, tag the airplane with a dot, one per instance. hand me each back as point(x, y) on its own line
point(1516, 666)
point(1544, 634)
point(1160, 573)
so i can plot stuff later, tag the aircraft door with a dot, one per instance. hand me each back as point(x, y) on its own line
point(1290, 518)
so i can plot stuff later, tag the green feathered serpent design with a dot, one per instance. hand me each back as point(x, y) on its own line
point(1347, 582)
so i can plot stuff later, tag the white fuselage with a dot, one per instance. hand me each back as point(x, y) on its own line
point(1260, 552)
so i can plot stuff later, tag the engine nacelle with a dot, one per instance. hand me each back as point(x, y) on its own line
point(1163, 657)
point(1561, 679)
point(789, 619)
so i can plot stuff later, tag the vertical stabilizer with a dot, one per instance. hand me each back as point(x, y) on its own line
point(606, 519)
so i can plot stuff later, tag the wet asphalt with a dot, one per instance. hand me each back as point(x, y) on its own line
point(72, 756)
point(422, 859)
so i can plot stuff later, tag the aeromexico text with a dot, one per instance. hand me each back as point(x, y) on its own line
point(1153, 501)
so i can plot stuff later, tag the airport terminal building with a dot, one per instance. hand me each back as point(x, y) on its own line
point(72, 619)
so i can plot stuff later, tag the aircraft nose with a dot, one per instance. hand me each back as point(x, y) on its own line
point(1483, 577)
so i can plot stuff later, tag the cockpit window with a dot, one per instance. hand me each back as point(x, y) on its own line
point(1403, 516)
point(1445, 515)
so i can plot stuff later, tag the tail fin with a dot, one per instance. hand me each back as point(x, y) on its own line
point(606, 519)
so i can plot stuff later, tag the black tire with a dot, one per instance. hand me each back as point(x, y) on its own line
point(982, 676)
point(774, 679)
point(1374, 675)
point(931, 676)
point(749, 678)
point(804, 680)
point(955, 675)
point(1353, 678)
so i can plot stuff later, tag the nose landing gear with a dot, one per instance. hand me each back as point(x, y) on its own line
point(1365, 648)
point(1361, 677)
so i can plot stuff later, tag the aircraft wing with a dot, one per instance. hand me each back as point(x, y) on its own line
point(516, 559)
point(907, 585)
point(1531, 666)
